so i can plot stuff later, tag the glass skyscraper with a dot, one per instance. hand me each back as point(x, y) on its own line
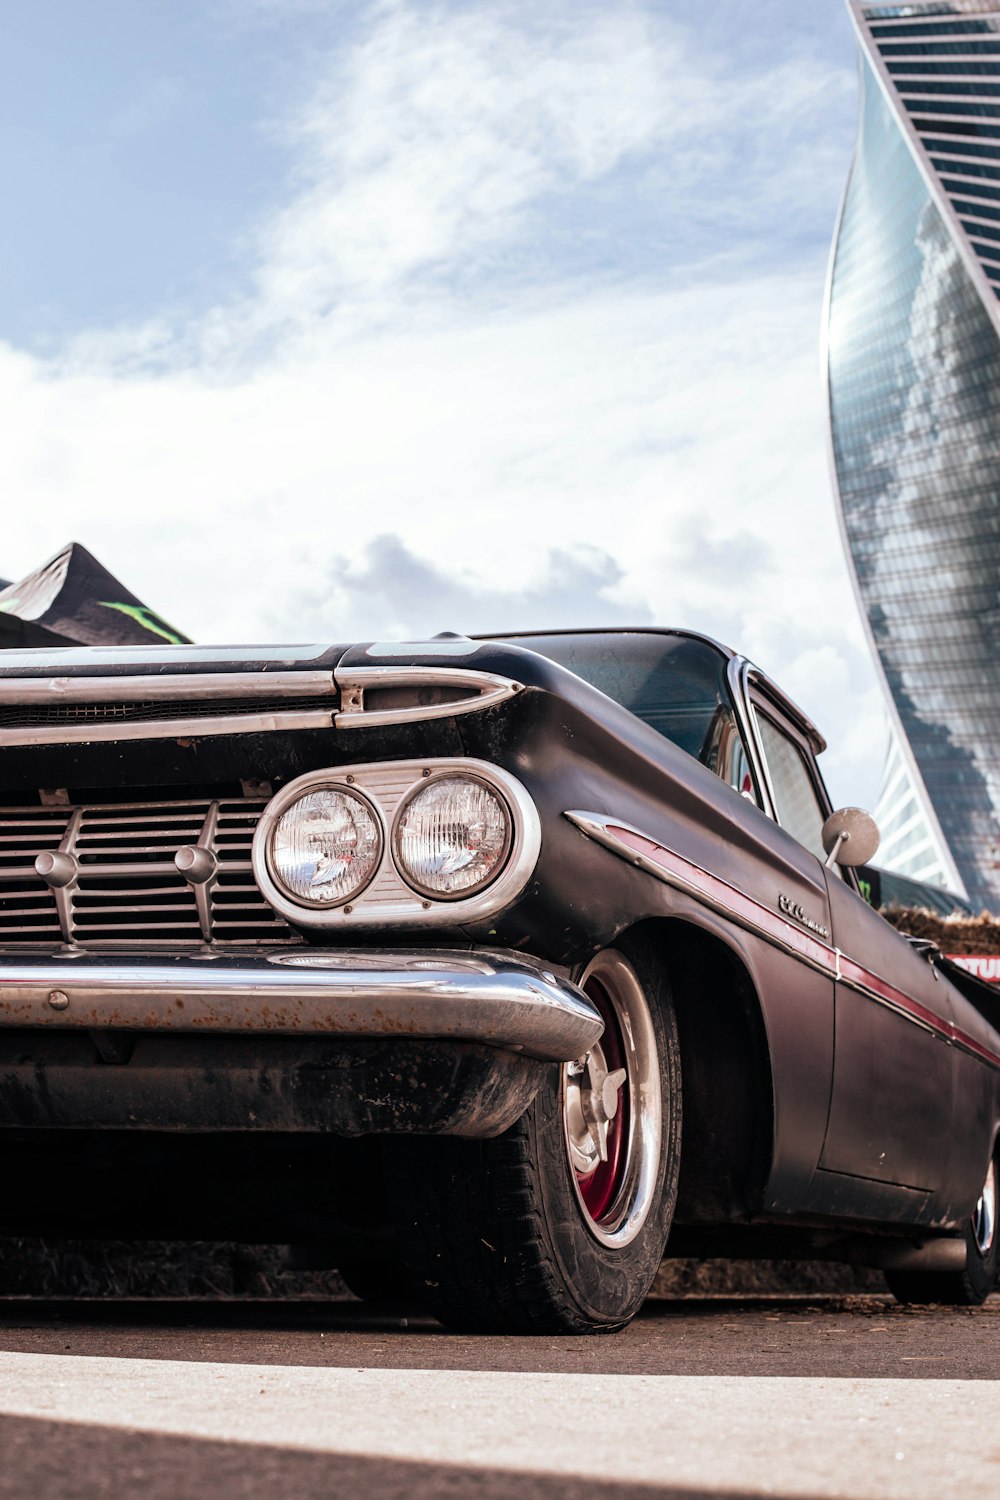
point(913, 364)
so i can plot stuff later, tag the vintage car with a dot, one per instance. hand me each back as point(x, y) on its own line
point(499, 966)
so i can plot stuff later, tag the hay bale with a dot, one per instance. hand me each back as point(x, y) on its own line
point(958, 934)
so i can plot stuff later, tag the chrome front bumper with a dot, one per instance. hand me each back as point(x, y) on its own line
point(499, 1000)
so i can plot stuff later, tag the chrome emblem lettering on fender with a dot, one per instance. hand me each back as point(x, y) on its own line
point(793, 909)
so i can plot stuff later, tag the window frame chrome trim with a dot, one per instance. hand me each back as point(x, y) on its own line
point(738, 678)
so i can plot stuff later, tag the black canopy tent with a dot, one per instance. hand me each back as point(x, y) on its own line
point(72, 600)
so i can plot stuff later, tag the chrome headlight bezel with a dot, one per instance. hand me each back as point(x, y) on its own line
point(389, 899)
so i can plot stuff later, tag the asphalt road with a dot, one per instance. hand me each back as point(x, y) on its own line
point(797, 1398)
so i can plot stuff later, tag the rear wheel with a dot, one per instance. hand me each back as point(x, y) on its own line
point(966, 1288)
point(558, 1225)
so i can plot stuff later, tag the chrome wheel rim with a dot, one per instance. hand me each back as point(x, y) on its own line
point(984, 1215)
point(612, 1107)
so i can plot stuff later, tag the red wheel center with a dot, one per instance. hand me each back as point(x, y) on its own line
point(599, 1187)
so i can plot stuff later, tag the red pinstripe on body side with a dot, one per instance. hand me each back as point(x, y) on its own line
point(772, 924)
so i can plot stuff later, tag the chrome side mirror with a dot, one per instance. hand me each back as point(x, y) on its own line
point(850, 837)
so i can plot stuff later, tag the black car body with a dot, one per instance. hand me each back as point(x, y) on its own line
point(658, 1015)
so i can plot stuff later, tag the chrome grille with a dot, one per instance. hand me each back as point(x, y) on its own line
point(125, 887)
point(80, 710)
point(46, 715)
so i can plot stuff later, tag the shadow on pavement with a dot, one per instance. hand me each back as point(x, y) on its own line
point(65, 1461)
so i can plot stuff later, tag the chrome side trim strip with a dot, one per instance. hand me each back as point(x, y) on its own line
point(169, 729)
point(495, 999)
point(485, 690)
point(709, 890)
point(164, 688)
point(745, 912)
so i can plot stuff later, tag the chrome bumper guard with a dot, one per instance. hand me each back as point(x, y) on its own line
point(496, 999)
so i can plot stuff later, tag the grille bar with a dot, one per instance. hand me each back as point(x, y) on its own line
point(116, 880)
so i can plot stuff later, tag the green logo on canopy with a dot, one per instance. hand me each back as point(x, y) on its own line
point(146, 618)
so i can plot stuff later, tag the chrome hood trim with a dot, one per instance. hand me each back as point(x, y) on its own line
point(164, 687)
point(122, 661)
point(479, 689)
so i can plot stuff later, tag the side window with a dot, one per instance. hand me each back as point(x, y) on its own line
point(739, 770)
point(798, 806)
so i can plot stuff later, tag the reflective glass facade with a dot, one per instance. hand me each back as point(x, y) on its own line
point(911, 843)
point(914, 391)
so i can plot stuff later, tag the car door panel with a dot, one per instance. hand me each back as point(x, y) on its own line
point(975, 1116)
point(894, 1067)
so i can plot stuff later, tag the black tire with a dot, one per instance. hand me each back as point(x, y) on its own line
point(968, 1288)
point(498, 1235)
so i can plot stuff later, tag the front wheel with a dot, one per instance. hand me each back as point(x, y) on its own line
point(972, 1286)
point(558, 1225)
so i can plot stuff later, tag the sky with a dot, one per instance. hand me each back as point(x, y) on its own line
point(354, 319)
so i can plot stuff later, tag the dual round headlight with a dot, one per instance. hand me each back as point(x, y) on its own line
point(326, 847)
point(450, 839)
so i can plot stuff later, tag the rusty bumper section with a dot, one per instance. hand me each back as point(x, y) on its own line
point(450, 1042)
point(496, 1000)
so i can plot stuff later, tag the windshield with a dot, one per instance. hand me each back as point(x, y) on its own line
point(675, 684)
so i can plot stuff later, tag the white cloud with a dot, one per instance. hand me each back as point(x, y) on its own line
point(451, 152)
point(393, 593)
point(413, 364)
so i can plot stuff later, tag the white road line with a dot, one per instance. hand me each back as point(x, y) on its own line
point(860, 1438)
